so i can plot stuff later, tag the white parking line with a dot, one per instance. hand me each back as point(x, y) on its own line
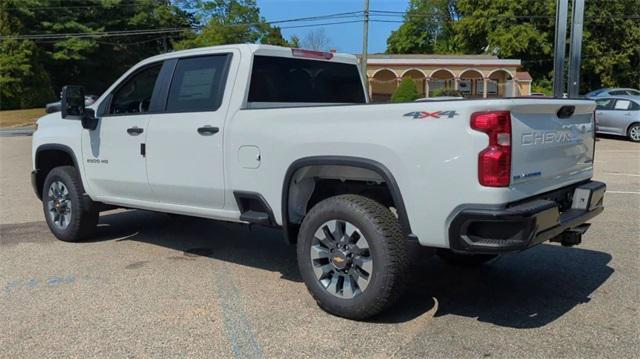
point(622, 174)
point(617, 150)
point(622, 192)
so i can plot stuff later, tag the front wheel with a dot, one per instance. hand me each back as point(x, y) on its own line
point(352, 256)
point(69, 217)
point(634, 132)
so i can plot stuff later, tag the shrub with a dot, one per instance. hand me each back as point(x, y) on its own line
point(445, 92)
point(543, 86)
point(406, 91)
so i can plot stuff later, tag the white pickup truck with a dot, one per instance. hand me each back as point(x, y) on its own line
point(285, 138)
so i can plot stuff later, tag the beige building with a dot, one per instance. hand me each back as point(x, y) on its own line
point(479, 76)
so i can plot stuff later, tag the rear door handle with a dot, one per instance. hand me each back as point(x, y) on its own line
point(208, 130)
point(134, 131)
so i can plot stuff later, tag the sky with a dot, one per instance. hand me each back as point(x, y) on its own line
point(343, 37)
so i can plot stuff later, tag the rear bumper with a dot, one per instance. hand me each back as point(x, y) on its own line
point(518, 227)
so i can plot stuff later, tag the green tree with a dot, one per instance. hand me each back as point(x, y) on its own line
point(406, 91)
point(273, 36)
point(294, 41)
point(23, 81)
point(524, 29)
point(611, 44)
point(427, 29)
point(501, 27)
point(92, 61)
point(230, 22)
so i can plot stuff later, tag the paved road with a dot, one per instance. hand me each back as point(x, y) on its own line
point(152, 285)
point(17, 131)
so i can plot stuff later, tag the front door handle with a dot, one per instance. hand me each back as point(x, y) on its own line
point(208, 130)
point(134, 131)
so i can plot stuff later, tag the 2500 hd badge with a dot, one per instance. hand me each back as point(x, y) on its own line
point(97, 160)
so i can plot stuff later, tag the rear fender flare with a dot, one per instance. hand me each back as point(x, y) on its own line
point(365, 163)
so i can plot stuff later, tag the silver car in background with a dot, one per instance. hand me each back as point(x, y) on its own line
point(613, 92)
point(619, 116)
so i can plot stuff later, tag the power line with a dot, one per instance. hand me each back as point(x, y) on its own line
point(322, 24)
point(148, 32)
point(95, 34)
point(401, 14)
point(441, 15)
point(110, 6)
point(320, 17)
point(334, 16)
point(357, 15)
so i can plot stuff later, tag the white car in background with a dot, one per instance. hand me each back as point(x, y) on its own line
point(56, 106)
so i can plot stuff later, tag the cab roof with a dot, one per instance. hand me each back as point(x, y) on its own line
point(254, 49)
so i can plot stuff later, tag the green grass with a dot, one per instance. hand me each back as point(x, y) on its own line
point(13, 118)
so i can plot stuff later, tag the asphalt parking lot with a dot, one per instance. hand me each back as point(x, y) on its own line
point(155, 286)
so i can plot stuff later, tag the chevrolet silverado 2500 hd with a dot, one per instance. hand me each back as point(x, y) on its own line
point(284, 137)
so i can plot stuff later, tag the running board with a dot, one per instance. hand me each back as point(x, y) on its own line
point(254, 208)
point(256, 217)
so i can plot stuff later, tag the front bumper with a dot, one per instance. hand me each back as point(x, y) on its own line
point(525, 224)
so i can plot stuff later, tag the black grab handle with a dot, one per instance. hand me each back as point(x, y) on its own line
point(134, 131)
point(208, 130)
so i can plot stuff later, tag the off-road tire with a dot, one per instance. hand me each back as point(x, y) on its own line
point(84, 214)
point(464, 260)
point(387, 248)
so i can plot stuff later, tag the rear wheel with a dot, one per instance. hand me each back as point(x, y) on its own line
point(464, 260)
point(634, 132)
point(69, 217)
point(352, 256)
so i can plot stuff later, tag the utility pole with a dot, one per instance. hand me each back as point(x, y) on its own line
point(365, 46)
point(575, 53)
point(560, 48)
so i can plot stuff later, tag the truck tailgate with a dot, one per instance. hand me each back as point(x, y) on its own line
point(550, 150)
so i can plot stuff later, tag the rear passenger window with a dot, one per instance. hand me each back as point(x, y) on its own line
point(282, 79)
point(198, 84)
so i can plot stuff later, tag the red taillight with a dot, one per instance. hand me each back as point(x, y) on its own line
point(494, 162)
point(312, 54)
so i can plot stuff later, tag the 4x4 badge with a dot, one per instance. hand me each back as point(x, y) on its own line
point(425, 114)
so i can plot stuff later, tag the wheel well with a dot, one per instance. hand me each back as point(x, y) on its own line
point(325, 188)
point(629, 127)
point(48, 159)
point(306, 185)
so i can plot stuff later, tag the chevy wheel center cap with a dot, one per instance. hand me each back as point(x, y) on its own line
point(339, 260)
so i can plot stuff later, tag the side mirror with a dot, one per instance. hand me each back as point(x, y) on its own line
point(72, 104)
point(73, 107)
